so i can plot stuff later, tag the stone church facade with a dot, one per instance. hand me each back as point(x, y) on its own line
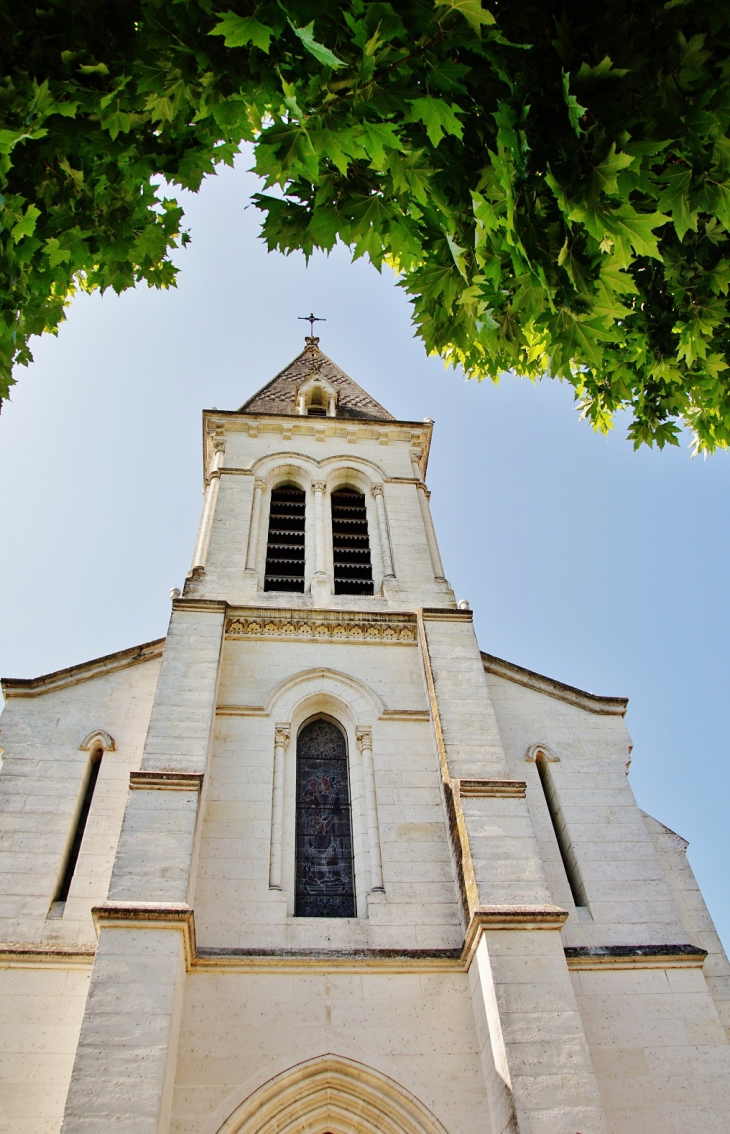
point(315, 864)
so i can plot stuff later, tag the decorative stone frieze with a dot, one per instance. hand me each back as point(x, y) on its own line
point(322, 625)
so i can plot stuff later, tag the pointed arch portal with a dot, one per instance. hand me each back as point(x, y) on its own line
point(331, 1095)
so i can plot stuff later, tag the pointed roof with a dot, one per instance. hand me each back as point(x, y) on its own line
point(279, 395)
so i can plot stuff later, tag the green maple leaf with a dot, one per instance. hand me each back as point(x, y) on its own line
point(471, 10)
point(603, 70)
point(438, 118)
point(284, 150)
point(720, 196)
point(340, 146)
point(675, 199)
point(575, 110)
point(458, 253)
point(10, 138)
point(409, 176)
point(318, 50)
point(94, 69)
point(605, 175)
point(575, 266)
point(241, 30)
point(26, 225)
point(381, 137)
point(637, 229)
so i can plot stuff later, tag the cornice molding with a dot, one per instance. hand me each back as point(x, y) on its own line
point(202, 606)
point(149, 915)
point(352, 960)
point(85, 671)
point(19, 955)
point(230, 417)
point(322, 625)
point(446, 614)
point(513, 917)
point(635, 957)
point(166, 781)
point(415, 433)
point(603, 706)
point(491, 789)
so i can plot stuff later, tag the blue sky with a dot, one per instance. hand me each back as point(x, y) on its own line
point(583, 560)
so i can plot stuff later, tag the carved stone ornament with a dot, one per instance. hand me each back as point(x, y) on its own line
point(219, 444)
point(269, 625)
point(259, 484)
point(318, 486)
point(377, 490)
point(282, 736)
point(364, 739)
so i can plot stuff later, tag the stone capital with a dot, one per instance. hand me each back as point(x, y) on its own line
point(282, 735)
point(377, 490)
point(259, 484)
point(319, 486)
point(364, 739)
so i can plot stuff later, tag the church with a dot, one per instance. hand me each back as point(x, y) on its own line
point(314, 863)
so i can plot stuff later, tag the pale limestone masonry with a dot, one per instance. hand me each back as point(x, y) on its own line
point(530, 953)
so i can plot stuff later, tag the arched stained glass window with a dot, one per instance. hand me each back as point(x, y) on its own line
point(324, 877)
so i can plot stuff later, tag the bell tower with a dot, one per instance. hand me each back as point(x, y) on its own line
point(323, 786)
point(313, 430)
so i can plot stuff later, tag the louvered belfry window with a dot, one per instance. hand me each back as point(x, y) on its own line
point(350, 543)
point(324, 878)
point(285, 549)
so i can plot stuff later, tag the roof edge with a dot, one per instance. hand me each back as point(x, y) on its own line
point(592, 702)
point(382, 422)
point(84, 671)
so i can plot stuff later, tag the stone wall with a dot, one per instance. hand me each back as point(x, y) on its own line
point(40, 1017)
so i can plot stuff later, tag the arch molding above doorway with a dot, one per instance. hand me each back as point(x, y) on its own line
point(331, 1095)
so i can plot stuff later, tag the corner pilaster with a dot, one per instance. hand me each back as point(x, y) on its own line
point(125, 1061)
point(535, 1059)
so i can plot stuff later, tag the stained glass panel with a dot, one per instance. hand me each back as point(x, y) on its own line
point(324, 882)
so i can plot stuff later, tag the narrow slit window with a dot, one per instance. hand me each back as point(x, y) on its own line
point(73, 853)
point(324, 869)
point(285, 548)
point(351, 543)
point(565, 845)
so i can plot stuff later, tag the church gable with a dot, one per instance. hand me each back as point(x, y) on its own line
point(280, 395)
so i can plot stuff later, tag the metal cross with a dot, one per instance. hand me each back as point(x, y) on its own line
point(311, 319)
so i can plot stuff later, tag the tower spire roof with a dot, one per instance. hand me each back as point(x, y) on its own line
point(279, 395)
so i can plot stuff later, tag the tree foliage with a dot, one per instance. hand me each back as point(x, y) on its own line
point(550, 181)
